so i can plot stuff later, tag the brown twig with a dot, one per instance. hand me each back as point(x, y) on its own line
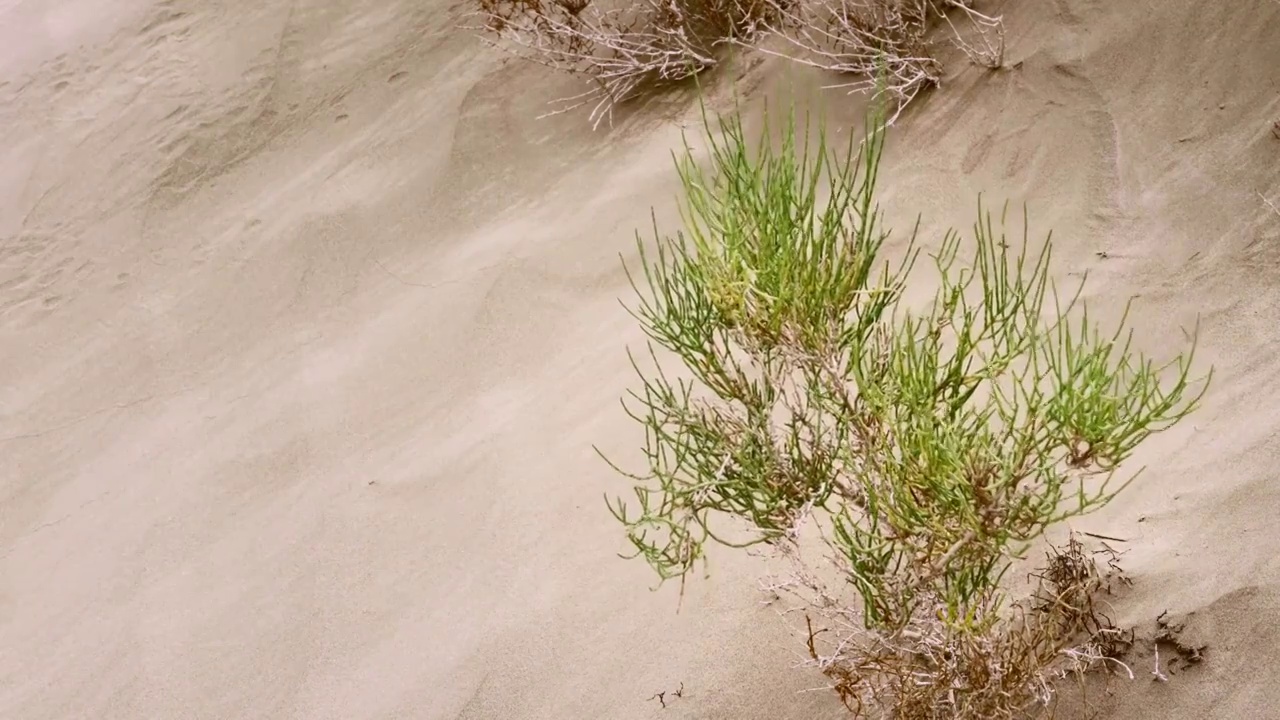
point(1103, 537)
point(661, 697)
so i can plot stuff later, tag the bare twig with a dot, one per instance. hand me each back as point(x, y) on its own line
point(1159, 675)
point(991, 53)
point(1270, 204)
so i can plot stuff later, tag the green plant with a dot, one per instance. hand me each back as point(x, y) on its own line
point(928, 446)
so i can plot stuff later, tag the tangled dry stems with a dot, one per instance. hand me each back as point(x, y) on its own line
point(623, 46)
point(998, 668)
point(885, 46)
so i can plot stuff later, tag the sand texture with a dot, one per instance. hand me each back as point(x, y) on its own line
point(307, 327)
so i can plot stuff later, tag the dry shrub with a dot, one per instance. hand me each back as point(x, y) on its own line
point(886, 45)
point(622, 46)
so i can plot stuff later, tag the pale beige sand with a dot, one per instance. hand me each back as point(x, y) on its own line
point(307, 327)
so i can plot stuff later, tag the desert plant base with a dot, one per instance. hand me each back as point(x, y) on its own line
point(930, 669)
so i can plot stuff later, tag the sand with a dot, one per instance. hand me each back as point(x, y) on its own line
point(307, 327)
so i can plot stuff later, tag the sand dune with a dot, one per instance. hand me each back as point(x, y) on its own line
point(307, 327)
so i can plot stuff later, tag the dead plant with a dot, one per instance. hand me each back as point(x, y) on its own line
point(621, 46)
point(884, 46)
point(982, 40)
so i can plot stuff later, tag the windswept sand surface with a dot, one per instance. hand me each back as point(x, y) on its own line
point(307, 327)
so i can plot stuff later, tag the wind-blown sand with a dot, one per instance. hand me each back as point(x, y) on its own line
point(307, 327)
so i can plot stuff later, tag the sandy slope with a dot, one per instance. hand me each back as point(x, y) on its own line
point(307, 326)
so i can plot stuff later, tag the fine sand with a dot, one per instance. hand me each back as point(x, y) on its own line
point(307, 327)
